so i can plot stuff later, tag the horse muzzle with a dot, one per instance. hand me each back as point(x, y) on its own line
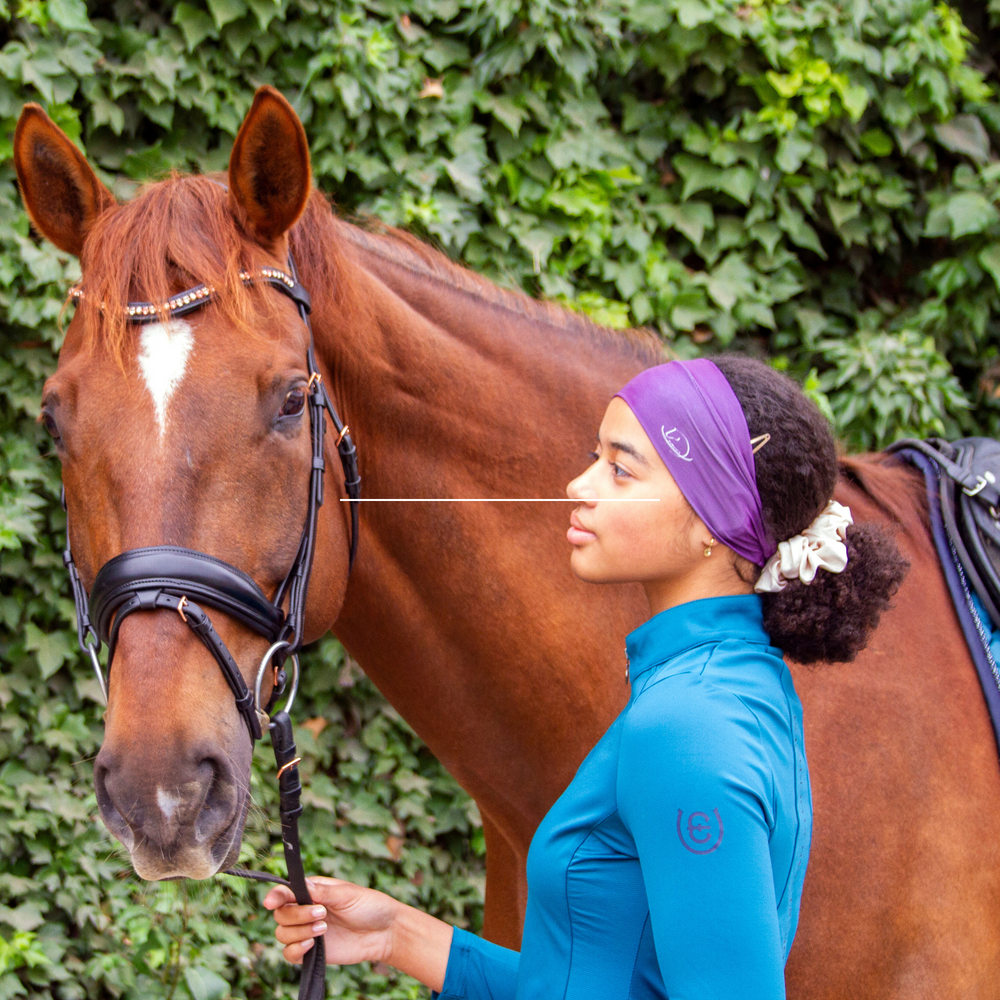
point(179, 814)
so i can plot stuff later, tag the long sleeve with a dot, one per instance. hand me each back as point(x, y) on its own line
point(696, 793)
point(479, 970)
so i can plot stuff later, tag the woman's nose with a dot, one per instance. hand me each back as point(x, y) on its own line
point(581, 489)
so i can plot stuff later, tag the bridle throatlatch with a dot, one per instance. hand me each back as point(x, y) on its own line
point(172, 578)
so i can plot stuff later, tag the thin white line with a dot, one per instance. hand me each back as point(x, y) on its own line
point(500, 500)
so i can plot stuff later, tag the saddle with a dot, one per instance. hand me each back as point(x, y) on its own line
point(962, 479)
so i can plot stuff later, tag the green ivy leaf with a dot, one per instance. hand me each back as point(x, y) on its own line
point(699, 175)
point(841, 212)
point(793, 222)
point(71, 15)
point(195, 24)
point(738, 182)
point(855, 100)
point(464, 171)
point(969, 212)
point(876, 142)
point(205, 984)
point(964, 134)
point(792, 150)
point(224, 11)
point(730, 281)
point(51, 649)
point(24, 918)
point(691, 13)
point(989, 257)
point(691, 218)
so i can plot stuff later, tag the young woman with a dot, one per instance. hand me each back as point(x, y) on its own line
point(672, 865)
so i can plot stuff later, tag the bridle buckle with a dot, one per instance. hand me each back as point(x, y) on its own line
point(981, 485)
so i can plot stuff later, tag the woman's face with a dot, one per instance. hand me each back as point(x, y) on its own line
point(654, 543)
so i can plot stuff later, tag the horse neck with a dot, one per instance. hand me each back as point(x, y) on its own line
point(453, 390)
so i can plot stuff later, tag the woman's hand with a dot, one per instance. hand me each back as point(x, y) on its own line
point(356, 922)
point(362, 925)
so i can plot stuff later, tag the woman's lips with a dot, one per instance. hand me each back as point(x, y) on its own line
point(578, 534)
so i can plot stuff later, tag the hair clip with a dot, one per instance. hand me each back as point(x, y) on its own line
point(758, 442)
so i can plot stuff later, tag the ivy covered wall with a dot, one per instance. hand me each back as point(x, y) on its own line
point(812, 181)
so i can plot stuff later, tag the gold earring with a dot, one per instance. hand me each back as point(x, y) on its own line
point(708, 548)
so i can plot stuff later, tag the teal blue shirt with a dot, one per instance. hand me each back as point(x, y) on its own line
point(672, 865)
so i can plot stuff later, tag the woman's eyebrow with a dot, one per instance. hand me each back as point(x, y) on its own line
point(629, 450)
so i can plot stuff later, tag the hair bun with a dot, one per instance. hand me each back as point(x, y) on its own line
point(832, 617)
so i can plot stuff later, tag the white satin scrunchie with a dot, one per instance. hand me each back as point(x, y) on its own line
point(823, 545)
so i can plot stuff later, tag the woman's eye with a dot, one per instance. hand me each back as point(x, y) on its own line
point(620, 472)
point(48, 422)
point(294, 403)
point(593, 456)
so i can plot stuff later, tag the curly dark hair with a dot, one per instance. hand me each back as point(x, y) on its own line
point(832, 618)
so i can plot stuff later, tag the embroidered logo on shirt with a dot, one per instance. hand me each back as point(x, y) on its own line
point(700, 833)
point(677, 442)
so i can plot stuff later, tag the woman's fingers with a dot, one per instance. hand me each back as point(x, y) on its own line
point(294, 953)
point(293, 914)
point(300, 932)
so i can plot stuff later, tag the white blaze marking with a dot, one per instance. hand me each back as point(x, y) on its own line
point(168, 803)
point(163, 355)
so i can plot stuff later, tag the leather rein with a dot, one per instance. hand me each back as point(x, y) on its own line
point(172, 578)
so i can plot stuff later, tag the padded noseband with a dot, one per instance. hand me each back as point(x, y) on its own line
point(172, 578)
point(183, 573)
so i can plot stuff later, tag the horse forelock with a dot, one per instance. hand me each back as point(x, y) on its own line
point(175, 233)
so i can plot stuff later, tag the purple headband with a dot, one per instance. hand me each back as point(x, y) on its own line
point(696, 424)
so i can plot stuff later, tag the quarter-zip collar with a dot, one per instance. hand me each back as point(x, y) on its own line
point(712, 619)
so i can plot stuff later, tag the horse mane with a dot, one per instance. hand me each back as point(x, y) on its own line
point(180, 231)
point(320, 229)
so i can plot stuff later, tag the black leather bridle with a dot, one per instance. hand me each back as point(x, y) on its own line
point(172, 578)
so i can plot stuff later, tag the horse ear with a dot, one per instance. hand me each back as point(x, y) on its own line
point(269, 173)
point(61, 192)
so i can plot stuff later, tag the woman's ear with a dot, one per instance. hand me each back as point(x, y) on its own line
point(61, 192)
point(269, 173)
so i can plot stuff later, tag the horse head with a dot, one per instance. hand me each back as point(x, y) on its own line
point(190, 431)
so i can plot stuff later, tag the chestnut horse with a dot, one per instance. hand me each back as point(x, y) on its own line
point(465, 615)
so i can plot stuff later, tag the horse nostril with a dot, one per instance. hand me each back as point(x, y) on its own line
point(219, 803)
point(110, 813)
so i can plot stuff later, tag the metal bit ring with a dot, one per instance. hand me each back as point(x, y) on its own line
point(264, 663)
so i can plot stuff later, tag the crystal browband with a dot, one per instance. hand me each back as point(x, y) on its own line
point(194, 298)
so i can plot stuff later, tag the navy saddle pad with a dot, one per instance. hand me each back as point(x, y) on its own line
point(963, 494)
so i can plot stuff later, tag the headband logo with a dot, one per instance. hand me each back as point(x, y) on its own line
point(677, 442)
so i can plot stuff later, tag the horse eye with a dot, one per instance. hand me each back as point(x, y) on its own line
point(48, 421)
point(294, 403)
